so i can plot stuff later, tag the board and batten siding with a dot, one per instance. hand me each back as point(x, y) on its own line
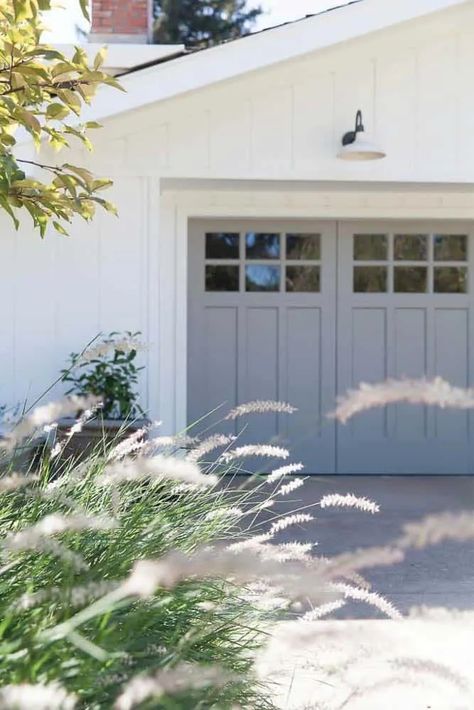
point(59, 293)
point(414, 84)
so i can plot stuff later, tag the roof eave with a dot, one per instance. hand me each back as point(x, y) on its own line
point(187, 73)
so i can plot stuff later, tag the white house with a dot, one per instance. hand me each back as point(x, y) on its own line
point(255, 261)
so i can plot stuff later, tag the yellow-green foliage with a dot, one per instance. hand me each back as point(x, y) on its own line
point(42, 91)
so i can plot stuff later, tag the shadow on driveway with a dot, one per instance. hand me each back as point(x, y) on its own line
point(441, 576)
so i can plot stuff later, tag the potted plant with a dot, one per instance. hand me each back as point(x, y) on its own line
point(108, 370)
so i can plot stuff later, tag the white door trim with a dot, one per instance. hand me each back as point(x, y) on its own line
point(177, 207)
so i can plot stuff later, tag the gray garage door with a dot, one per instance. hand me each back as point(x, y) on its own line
point(302, 311)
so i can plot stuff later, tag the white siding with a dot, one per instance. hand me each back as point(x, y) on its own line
point(59, 293)
point(413, 83)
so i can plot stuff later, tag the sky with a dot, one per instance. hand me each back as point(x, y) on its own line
point(278, 11)
point(62, 23)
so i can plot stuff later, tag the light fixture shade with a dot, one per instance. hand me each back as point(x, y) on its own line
point(361, 149)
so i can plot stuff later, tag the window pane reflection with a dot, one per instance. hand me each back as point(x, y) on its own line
point(303, 278)
point(259, 277)
point(410, 279)
point(411, 247)
point(450, 247)
point(370, 279)
point(222, 245)
point(303, 246)
point(450, 279)
point(370, 247)
point(262, 246)
point(222, 278)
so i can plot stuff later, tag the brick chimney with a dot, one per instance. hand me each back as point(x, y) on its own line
point(116, 21)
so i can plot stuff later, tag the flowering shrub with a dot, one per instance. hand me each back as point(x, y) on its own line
point(108, 370)
point(141, 575)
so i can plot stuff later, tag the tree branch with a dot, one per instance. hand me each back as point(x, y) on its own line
point(52, 168)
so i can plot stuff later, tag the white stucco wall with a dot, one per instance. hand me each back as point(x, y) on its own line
point(414, 84)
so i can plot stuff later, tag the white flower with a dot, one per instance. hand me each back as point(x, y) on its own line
point(435, 528)
point(320, 611)
point(251, 543)
point(285, 522)
point(169, 682)
point(36, 697)
point(335, 500)
point(210, 444)
point(38, 536)
point(287, 551)
point(296, 578)
point(436, 392)
point(283, 471)
point(45, 415)
point(123, 345)
point(256, 450)
point(75, 429)
point(134, 442)
point(260, 407)
point(220, 513)
point(290, 486)
point(15, 481)
point(372, 598)
point(156, 469)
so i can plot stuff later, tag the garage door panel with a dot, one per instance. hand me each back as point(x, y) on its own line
point(419, 276)
point(219, 377)
point(280, 278)
point(452, 363)
point(304, 383)
point(369, 364)
point(410, 421)
point(260, 381)
point(302, 311)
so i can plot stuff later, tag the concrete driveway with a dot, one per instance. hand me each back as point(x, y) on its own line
point(438, 576)
point(358, 662)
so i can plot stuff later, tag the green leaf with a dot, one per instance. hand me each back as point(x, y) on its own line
point(29, 120)
point(84, 5)
point(47, 53)
point(59, 228)
point(71, 99)
point(111, 81)
point(62, 68)
point(80, 57)
point(29, 184)
point(6, 206)
point(34, 70)
point(57, 111)
point(6, 139)
point(41, 87)
point(100, 58)
point(22, 10)
point(84, 174)
point(101, 184)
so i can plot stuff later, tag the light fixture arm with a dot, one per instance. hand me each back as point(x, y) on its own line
point(350, 136)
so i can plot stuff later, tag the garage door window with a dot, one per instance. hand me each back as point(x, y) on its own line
point(266, 262)
point(410, 263)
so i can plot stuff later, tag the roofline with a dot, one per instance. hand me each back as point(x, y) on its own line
point(194, 71)
point(126, 56)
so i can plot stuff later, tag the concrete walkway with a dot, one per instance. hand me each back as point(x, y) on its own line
point(438, 576)
point(368, 665)
point(358, 662)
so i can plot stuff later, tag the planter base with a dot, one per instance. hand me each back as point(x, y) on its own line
point(96, 436)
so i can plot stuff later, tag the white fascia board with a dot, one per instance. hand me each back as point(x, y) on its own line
point(258, 51)
point(123, 55)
